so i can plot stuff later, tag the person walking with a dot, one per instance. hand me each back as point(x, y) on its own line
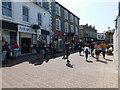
point(67, 51)
point(80, 48)
point(92, 49)
point(86, 51)
point(7, 48)
point(63, 49)
point(98, 50)
point(103, 46)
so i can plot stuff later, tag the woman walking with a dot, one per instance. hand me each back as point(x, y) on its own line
point(98, 50)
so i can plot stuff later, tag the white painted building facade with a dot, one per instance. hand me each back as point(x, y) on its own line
point(17, 21)
point(116, 40)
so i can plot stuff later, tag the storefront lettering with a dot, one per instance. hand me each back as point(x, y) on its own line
point(26, 29)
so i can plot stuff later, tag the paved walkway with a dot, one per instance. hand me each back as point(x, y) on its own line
point(30, 73)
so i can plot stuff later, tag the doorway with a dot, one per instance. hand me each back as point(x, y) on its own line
point(25, 45)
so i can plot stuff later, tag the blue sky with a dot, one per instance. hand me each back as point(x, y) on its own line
point(100, 14)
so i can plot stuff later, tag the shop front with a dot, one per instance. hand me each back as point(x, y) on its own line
point(9, 32)
point(27, 38)
point(45, 35)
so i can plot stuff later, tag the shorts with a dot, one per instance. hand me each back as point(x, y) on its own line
point(97, 52)
point(42, 51)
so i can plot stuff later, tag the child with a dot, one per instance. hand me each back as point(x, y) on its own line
point(87, 51)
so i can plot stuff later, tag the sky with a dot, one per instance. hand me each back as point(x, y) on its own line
point(99, 13)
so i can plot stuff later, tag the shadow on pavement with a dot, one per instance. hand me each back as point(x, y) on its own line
point(109, 60)
point(36, 62)
point(102, 61)
point(89, 61)
point(32, 59)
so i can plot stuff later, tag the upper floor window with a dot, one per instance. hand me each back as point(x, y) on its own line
point(45, 5)
point(58, 10)
point(71, 18)
point(39, 19)
point(58, 24)
point(25, 11)
point(39, 3)
point(7, 9)
point(76, 31)
point(66, 14)
point(72, 28)
point(66, 27)
point(76, 21)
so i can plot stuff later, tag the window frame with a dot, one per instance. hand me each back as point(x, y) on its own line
point(39, 19)
point(7, 8)
point(25, 15)
point(76, 31)
point(66, 14)
point(71, 18)
point(66, 28)
point(57, 12)
point(58, 21)
point(72, 29)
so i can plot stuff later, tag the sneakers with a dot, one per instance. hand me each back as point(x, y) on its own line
point(68, 61)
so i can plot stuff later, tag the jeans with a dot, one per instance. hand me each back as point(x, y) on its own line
point(86, 55)
point(16, 52)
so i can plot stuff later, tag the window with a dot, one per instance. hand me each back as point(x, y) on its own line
point(58, 10)
point(72, 28)
point(7, 9)
point(66, 14)
point(76, 21)
point(46, 5)
point(25, 14)
point(39, 19)
point(66, 27)
point(39, 3)
point(76, 31)
point(71, 18)
point(58, 24)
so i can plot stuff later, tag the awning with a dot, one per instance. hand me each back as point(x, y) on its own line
point(8, 25)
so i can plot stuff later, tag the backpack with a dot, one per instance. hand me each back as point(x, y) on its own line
point(86, 51)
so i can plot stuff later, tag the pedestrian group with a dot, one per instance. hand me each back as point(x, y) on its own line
point(47, 51)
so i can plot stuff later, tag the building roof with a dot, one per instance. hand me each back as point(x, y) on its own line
point(86, 26)
point(67, 9)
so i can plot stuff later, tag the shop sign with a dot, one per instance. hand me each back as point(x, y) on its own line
point(26, 29)
point(100, 36)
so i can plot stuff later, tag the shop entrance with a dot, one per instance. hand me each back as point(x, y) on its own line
point(25, 45)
